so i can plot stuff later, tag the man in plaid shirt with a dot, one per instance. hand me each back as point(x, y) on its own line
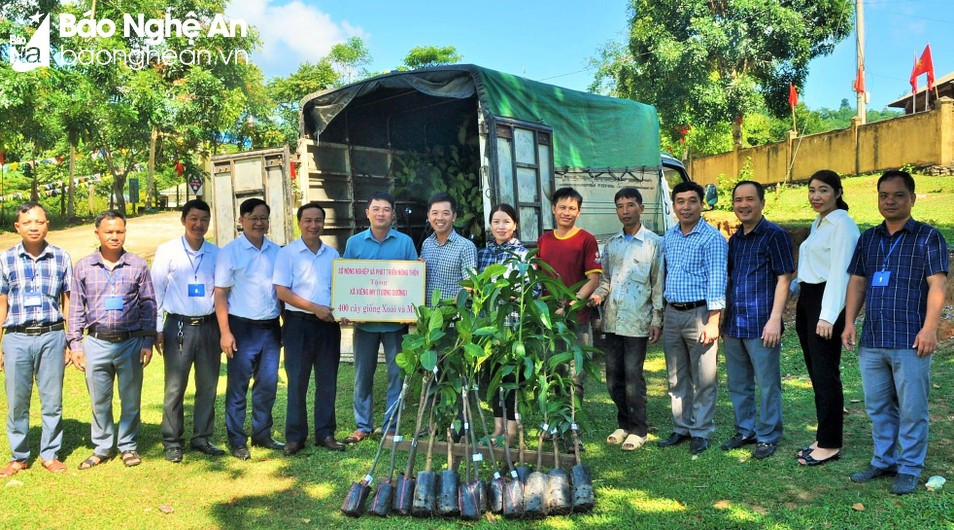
point(113, 301)
point(34, 280)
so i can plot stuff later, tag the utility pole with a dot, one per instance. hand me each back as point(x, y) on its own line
point(860, 49)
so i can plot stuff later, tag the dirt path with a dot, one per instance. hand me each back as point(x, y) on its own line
point(143, 235)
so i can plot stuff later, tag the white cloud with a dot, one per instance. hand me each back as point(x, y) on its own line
point(291, 33)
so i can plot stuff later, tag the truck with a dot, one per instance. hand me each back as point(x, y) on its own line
point(485, 137)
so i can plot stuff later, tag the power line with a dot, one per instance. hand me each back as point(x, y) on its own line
point(564, 75)
point(914, 16)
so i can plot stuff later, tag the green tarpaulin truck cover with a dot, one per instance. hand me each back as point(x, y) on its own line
point(590, 131)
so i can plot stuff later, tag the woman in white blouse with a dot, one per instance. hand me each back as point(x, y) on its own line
point(820, 317)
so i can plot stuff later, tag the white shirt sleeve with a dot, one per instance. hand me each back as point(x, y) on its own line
point(844, 238)
point(160, 277)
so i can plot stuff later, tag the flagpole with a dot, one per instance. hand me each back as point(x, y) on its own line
point(860, 49)
point(794, 125)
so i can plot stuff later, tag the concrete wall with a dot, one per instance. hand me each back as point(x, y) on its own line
point(919, 139)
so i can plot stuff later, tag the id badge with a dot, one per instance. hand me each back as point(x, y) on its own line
point(32, 300)
point(881, 279)
point(114, 303)
point(196, 289)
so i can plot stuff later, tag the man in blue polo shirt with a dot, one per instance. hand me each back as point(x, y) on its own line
point(761, 267)
point(696, 255)
point(380, 241)
point(898, 271)
point(311, 336)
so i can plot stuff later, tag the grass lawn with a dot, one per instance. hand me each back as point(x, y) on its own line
point(789, 206)
point(648, 488)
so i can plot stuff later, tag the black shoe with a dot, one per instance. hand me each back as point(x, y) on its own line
point(674, 439)
point(209, 448)
point(174, 454)
point(763, 450)
point(331, 444)
point(292, 448)
point(269, 443)
point(904, 484)
point(241, 452)
point(736, 442)
point(698, 445)
point(872, 473)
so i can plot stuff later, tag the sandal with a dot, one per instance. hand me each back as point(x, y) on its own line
point(54, 466)
point(14, 467)
point(131, 458)
point(617, 437)
point(809, 461)
point(355, 437)
point(804, 451)
point(633, 442)
point(92, 462)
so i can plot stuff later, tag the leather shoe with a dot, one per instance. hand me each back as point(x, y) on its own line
point(872, 473)
point(174, 454)
point(269, 444)
point(331, 444)
point(209, 448)
point(292, 448)
point(763, 450)
point(674, 439)
point(698, 445)
point(904, 484)
point(736, 442)
point(241, 452)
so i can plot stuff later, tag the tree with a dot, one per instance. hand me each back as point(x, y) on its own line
point(427, 56)
point(703, 62)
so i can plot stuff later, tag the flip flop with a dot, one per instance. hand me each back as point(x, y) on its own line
point(93, 461)
point(617, 437)
point(633, 442)
point(131, 458)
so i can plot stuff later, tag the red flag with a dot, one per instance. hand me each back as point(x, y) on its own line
point(792, 96)
point(3, 157)
point(924, 65)
point(292, 166)
point(859, 84)
point(180, 169)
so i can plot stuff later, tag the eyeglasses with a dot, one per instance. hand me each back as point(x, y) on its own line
point(257, 219)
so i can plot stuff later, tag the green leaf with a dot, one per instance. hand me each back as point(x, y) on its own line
point(543, 313)
point(559, 359)
point(429, 360)
point(473, 351)
point(437, 317)
point(484, 331)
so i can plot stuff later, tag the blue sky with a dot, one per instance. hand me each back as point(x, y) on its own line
point(552, 40)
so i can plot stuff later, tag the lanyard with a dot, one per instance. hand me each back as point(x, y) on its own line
point(195, 264)
point(884, 264)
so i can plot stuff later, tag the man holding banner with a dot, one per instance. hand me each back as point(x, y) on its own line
point(379, 242)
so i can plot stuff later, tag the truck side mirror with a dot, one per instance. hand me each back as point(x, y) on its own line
point(712, 195)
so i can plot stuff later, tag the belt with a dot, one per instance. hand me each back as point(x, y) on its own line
point(118, 336)
point(265, 324)
point(687, 306)
point(36, 329)
point(311, 317)
point(191, 321)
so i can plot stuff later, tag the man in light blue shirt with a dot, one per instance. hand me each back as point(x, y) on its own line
point(311, 336)
point(448, 254)
point(380, 241)
point(246, 307)
point(696, 257)
point(183, 275)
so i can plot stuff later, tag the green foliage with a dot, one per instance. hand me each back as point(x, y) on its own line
point(427, 56)
point(703, 62)
point(726, 184)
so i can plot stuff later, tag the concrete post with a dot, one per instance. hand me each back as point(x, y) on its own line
point(944, 108)
point(855, 126)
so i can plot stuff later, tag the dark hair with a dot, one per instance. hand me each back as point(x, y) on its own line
point(683, 187)
point(249, 205)
point(109, 214)
point(898, 174)
point(442, 197)
point(27, 206)
point(381, 196)
point(507, 209)
point(308, 206)
point(759, 188)
point(195, 204)
point(832, 179)
point(628, 193)
point(567, 193)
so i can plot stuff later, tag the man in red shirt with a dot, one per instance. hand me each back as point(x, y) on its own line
point(575, 256)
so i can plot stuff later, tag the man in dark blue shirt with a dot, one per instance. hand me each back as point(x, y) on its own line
point(761, 267)
point(898, 271)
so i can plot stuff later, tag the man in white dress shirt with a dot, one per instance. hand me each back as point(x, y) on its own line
point(247, 309)
point(183, 275)
point(312, 338)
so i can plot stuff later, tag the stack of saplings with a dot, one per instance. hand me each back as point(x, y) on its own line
point(508, 332)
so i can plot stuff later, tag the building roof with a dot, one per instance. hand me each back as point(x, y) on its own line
point(944, 85)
